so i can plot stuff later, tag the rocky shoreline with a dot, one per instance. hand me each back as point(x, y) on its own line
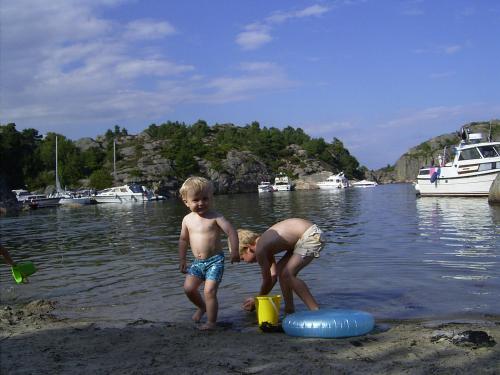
point(34, 341)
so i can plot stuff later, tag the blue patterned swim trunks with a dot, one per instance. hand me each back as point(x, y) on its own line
point(208, 269)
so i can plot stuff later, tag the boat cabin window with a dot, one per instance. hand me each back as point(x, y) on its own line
point(497, 148)
point(488, 151)
point(136, 188)
point(469, 154)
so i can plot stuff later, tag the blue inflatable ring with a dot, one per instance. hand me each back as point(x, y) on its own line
point(328, 323)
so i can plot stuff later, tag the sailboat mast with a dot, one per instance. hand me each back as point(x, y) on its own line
point(57, 179)
point(114, 159)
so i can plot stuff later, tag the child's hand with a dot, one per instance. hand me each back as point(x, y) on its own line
point(235, 257)
point(249, 304)
point(182, 266)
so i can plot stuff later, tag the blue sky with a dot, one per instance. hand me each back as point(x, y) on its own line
point(380, 75)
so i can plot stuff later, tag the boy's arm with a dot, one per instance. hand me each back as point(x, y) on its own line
point(6, 256)
point(266, 263)
point(183, 246)
point(232, 236)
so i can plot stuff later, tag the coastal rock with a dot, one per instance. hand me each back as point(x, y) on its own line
point(473, 338)
point(240, 172)
point(85, 144)
point(494, 194)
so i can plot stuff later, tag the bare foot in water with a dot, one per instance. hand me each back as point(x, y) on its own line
point(197, 315)
point(208, 326)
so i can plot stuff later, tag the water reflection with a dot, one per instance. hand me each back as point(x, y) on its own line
point(465, 227)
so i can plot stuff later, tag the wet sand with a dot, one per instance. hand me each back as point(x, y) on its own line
point(34, 341)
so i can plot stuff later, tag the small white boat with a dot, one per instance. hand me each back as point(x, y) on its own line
point(282, 183)
point(337, 181)
point(265, 187)
point(70, 198)
point(123, 194)
point(364, 183)
point(474, 167)
point(35, 200)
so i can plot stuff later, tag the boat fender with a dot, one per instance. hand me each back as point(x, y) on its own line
point(328, 323)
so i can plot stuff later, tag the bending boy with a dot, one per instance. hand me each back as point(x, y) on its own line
point(201, 230)
point(301, 240)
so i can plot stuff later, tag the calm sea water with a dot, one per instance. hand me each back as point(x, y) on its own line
point(388, 252)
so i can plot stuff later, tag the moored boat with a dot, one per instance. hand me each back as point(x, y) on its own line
point(282, 183)
point(474, 167)
point(265, 187)
point(32, 200)
point(123, 194)
point(364, 183)
point(337, 181)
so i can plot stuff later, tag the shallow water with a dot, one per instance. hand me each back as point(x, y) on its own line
point(388, 252)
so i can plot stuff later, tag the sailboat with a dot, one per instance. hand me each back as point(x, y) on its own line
point(68, 197)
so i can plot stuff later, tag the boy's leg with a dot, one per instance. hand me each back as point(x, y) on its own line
point(191, 286)
point(288, 279)
point(286, 287)
point(211, 303)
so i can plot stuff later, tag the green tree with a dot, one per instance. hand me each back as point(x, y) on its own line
point(101, 179)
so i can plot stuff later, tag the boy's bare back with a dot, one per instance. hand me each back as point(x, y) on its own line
point(283, 235)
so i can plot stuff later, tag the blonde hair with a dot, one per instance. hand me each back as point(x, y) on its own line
point(195, 184)
point(246, 238)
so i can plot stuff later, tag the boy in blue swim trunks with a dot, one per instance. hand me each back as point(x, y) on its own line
point(301, 241)
point(201, 231)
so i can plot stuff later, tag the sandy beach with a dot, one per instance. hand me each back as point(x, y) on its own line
point(34, 341)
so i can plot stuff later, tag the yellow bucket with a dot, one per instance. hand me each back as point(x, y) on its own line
point(268, 309)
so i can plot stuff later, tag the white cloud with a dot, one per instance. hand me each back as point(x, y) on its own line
point(68, 65)
point(148, 29)
point(257, 34)
point(447, 50)
point(417, 118)
point(136, 68)
point(452, 49)
point(257, 77)
point(442, 75)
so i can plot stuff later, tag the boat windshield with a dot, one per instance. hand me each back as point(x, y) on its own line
point(488, 151)
point(136, 188)
point(469, 154)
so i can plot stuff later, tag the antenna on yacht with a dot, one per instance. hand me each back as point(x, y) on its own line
point(489, 133)
point(58, 183)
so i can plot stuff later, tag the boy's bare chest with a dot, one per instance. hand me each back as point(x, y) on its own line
point(203, 226)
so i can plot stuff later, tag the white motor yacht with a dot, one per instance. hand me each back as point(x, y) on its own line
point(282, 183)
point(123, 194)
point(337, 181)
point(474, 167)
